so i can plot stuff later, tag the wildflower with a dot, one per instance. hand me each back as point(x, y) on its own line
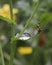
point(24, 50)
point(5, 11)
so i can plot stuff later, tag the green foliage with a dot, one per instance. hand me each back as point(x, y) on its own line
point(31, 12)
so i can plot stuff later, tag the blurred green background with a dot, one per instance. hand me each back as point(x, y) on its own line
point(42, 52)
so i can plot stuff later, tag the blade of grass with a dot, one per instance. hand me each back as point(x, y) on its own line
point(1, 52)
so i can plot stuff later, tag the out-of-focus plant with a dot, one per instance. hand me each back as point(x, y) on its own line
point(28, 53)
point(5, 11)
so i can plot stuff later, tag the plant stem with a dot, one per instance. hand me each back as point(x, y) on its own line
point(1, 52)
point(28, 21)
point(13, 34)
point(11, 14)
point(13, 48)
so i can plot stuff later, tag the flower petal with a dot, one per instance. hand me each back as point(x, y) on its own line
point(15, 11)
point(6, 7)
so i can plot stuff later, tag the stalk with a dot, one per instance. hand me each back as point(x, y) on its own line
point(12, 51)
point(1, 52)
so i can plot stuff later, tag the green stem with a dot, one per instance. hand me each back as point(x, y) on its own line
point(11, 14)
point(13, 48)
point(1, 52)
point(28, 21)
point(13, 34)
